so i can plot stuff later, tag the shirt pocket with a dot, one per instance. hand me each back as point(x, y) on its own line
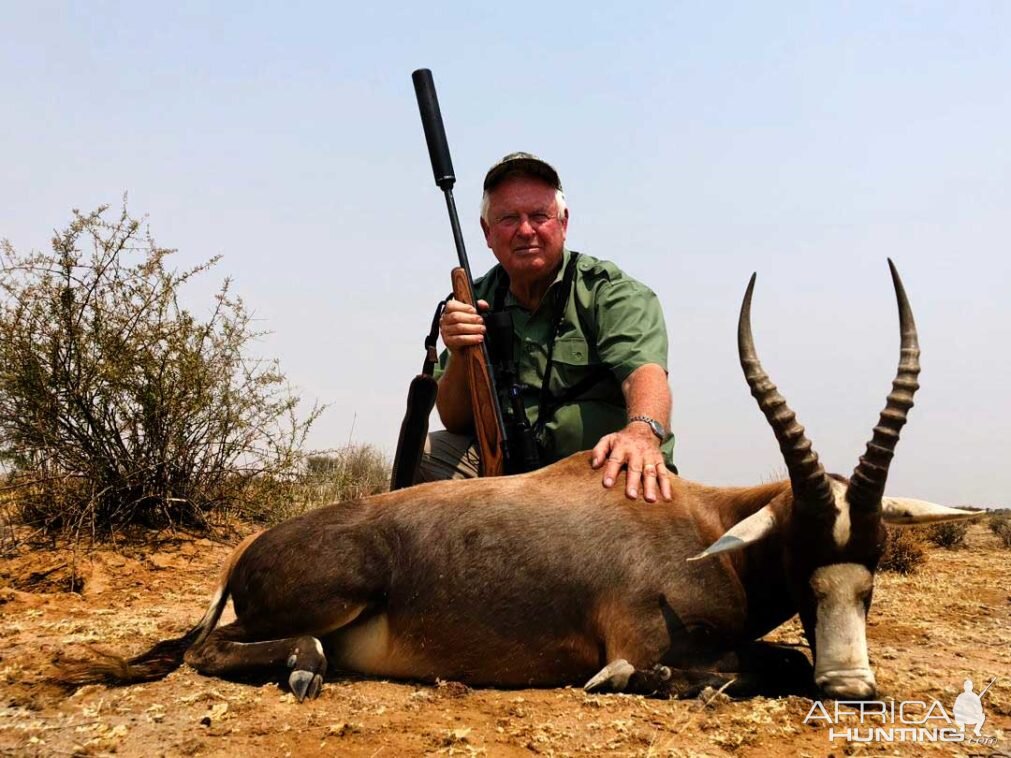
point(573, 360)
point(572, 350)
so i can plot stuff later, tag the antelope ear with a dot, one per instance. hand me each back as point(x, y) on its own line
point(905, 511)
point(755, 527)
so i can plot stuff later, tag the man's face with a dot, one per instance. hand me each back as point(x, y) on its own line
point(523, 228)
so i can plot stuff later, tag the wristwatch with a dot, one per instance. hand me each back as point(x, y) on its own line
point(655, 426)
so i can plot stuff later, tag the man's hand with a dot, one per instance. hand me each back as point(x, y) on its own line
point(638, 449)
point(461, 325)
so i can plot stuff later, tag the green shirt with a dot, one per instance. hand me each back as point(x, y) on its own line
point(611, 320)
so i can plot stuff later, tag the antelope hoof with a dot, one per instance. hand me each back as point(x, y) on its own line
point(309, 665)
point(612, 678)
point(662, 673)
point(305, 684)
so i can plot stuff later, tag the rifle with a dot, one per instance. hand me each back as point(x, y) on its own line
point(484, 398)
point(987, 687)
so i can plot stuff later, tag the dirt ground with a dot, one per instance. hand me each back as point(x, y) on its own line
point(927, 632)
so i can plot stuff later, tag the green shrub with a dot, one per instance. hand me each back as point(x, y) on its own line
point(903, 551)
point(949, 534)
point(117, 405)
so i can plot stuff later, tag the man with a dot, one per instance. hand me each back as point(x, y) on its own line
point(591, 345)
point(968, 709)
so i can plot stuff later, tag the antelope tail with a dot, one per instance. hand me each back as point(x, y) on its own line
point(160, 660)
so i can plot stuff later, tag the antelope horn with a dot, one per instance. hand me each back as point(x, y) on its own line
point(812, 489)
point(867, 484)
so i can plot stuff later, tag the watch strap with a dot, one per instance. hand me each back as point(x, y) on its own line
point(655, 426)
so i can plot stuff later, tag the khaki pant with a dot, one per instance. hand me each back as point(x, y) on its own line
point(449, 456)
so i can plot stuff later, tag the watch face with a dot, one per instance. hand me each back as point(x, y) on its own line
point(657, 429)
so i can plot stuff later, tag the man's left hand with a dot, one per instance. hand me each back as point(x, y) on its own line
point(636, 448)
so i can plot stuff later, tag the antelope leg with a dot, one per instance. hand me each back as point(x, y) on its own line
point(224, 652)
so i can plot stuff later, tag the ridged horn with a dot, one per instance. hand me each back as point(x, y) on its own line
point(867, 484)
point(812, 489)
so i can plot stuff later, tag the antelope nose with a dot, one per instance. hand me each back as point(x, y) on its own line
point(850, 686)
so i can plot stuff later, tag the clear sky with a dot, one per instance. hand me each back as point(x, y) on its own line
point(697, 142)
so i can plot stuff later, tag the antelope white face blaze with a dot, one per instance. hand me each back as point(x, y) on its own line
point(841, 666)
point(841, 528)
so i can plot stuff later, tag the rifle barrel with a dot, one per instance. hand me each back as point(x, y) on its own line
point(442, 169)
point(987, 687)
point(435, 132)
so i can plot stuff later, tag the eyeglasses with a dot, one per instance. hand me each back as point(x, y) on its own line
point(512, 221)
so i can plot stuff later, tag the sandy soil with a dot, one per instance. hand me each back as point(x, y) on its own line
point(927, 632)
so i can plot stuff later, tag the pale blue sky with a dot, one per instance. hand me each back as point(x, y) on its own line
point(698, 142)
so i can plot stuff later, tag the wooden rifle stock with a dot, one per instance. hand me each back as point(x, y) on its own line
point(482, 397)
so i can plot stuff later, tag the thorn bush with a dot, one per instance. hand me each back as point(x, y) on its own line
point(904, 552)
point(1001, 526)
point(120, 406)
point(949, 534)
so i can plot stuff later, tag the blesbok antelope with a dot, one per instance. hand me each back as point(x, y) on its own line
point(548, 579)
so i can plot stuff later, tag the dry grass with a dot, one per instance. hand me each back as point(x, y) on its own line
point(328, 476)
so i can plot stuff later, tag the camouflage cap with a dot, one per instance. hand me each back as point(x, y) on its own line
point(521, 163)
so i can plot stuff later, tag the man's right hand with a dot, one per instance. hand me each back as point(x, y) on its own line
point(461, 326)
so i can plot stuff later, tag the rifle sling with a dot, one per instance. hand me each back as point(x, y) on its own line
point(431, 356)
point(420, 401)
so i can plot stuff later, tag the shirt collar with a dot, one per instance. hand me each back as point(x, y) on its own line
point(510, 299)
